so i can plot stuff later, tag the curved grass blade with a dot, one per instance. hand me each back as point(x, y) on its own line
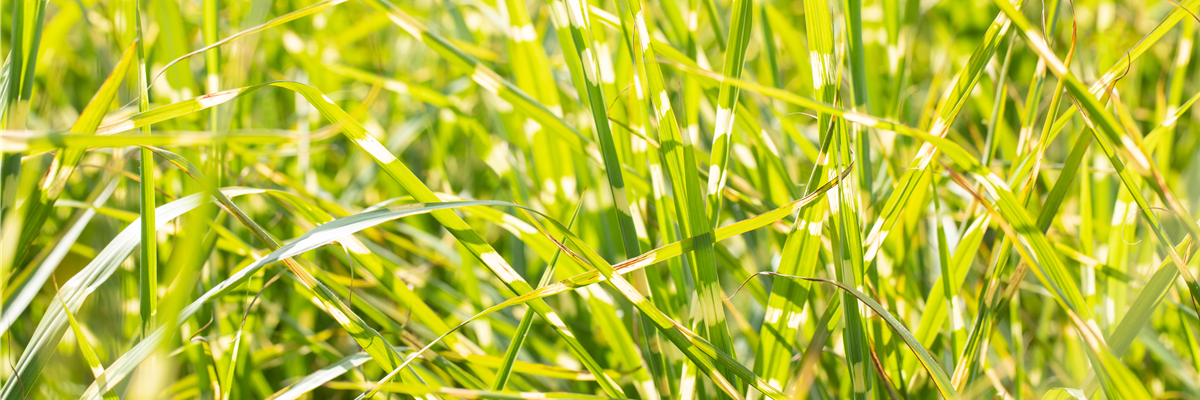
point(325, 234)
point(699, 351)
point(678, 152)
point(639, 111)
point(89, 354)
point(941, 380)
point(989, 309)
point(52, 326)
point(397, 171)
point(1113, 139)
point(1036, 251)
point(665, 252)
point(581, 35)
point(953, 101)
point(486, 78)
point(848, 259)
point(937, 303)
point(370, 340)
point(319, 377)
point(510, 355)
point(17, 298)
point(277, 21)
point(688, 66)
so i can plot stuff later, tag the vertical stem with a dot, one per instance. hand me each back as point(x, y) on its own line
point(148, 270)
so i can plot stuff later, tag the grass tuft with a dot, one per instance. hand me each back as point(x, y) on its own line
point(718, 199)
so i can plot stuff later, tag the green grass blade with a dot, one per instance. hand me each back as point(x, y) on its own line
point(951, 105)
point(1112, 139)
point(15, 94)
point(39, 204)
point(52, 326)
point(395, 169)
point(394, 200)
point(677, 151)
point(320, 236)
point(89, 354)
point(843, 202)
point(741, 24)
point(941, 380)
point(956, 330)
point(1035, 250)
point(18, 297)
point(277, 21)
point(859, 95)
point(581, 35)
point(510, 355)
point(148, 260)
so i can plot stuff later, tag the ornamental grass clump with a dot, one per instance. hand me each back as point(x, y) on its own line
point(573, 199)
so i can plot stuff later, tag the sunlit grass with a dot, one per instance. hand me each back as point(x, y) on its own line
point(876, 199)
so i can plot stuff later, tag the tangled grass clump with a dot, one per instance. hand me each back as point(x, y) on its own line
point(868, 199)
